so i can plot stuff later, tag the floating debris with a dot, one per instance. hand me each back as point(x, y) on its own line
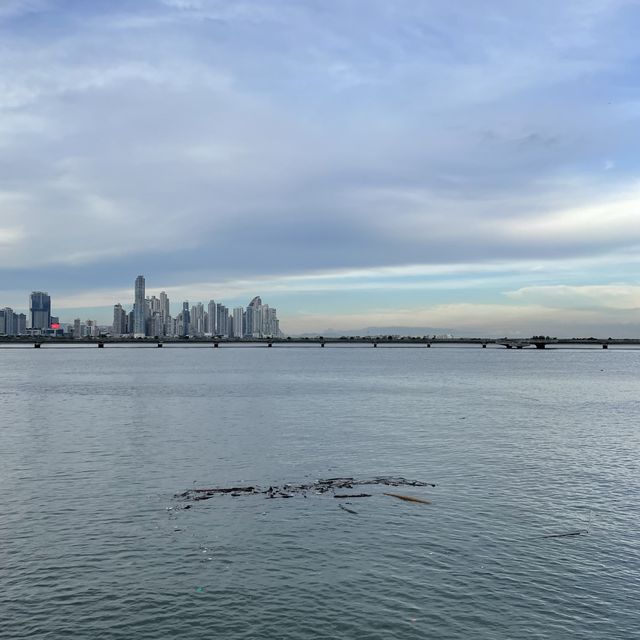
point(319, 487)
point(408, 498)
point(580, 532)
point(347, 509)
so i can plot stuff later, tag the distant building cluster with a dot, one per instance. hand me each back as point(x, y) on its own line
point(38, 322)
point(151, 317)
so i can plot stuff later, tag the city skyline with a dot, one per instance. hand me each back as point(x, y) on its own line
point(411, 164)
point(444, 319)
point(148, 316)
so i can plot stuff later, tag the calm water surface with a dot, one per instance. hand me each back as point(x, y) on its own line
point(94, 445)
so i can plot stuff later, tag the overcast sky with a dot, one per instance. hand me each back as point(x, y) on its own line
point(469, 165)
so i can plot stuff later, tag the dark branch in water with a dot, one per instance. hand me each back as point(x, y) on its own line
point(568, 534)
point(347, 509)
point(408, 498)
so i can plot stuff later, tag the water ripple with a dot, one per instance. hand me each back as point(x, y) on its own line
point(91, 545)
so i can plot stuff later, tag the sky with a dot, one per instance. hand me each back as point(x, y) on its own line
point(464, 165)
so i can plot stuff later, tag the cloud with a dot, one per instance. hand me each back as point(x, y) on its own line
point(10, 235)
point(210, 144)
point(602, 297)
point(15, 8)
point(616, 219)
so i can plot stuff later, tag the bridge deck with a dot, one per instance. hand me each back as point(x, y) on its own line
point(508, 343)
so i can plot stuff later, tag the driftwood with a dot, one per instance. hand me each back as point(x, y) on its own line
point(347, 509)
point(408, 498)
point(580, 532)
point(318, 487)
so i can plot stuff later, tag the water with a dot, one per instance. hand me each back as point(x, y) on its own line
point(94, 445)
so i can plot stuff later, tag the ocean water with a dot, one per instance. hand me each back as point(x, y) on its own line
point(94, 445)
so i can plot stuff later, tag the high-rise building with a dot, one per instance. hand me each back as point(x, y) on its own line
point(261, 320)
point(272, 322)
point(147, 316)
point(77, 328)
point(254, 318)
point(186, 328)
point(238, 330)
point(7, 322)
point(119, 327)
point(40, 310)
point(165, 311)
point(91, 328)
point(197, 320)
point(156, 326)
point(139, 308)
point(222, 320)
point(21, 323)
point(211, 311)
point(154, 304)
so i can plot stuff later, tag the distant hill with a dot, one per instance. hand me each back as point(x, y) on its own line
point(381, 331)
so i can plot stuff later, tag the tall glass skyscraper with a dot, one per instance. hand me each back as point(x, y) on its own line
point(139, 329)
point(186, 319)
point(40, 310)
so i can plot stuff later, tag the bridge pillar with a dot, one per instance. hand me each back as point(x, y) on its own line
point(509, 346)
point(484, 345)
point(375, 345)
point(540, 345)
point(518, 346)
point(322, 344)
point(270, 344)
point(605, 346)
point(428, 345)
point(100, 345)
point(216, 345)
point(36, 345)
point(159, 345)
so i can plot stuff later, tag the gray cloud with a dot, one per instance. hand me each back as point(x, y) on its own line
point(237, 139)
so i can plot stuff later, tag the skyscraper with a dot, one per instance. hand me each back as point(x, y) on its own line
point(40, 310)
point(7, 322)
point(261, 320)
point(164, 308)
point(139, 309)
point(156, 326)
point(197, 319)
point(185, 319)
point(119, 327)
point(211, 309)
point(238, 330)
point(154, 305)
point(20, 323)
point(254, 318)
point(222, 320)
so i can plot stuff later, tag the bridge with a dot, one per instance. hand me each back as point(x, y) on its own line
point(344, 341)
